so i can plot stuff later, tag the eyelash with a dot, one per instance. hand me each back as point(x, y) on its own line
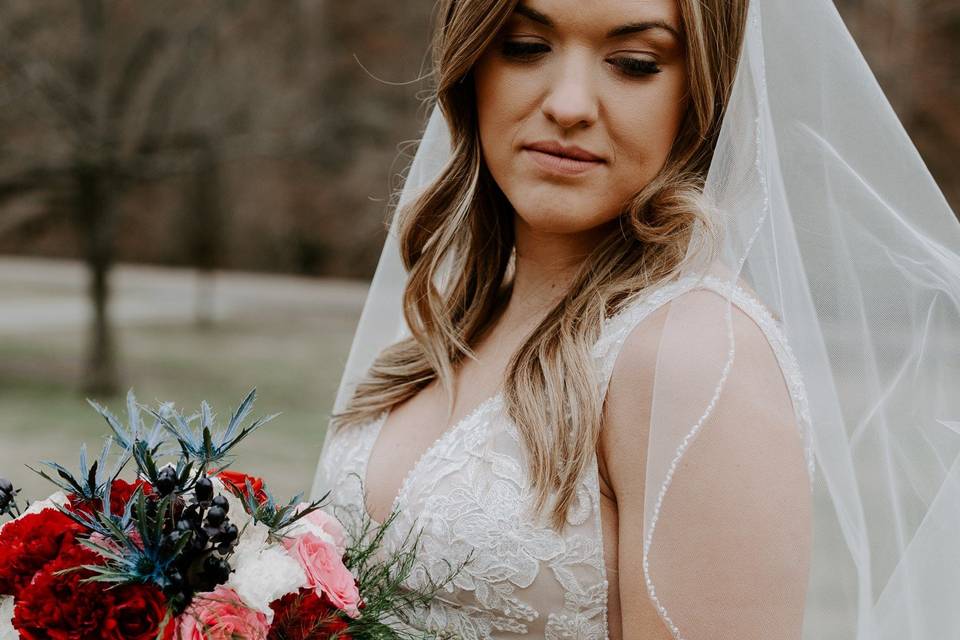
point(525, 51)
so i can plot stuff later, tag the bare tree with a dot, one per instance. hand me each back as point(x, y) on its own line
point(103, 81)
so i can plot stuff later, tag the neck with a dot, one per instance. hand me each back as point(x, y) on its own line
point(546, 264)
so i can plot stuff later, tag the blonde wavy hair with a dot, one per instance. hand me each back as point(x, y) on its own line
point(550, 390)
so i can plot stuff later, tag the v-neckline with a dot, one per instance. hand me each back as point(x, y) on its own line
point(448, 433)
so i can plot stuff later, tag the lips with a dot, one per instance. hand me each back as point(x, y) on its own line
point(565, 151)
point(556, 159)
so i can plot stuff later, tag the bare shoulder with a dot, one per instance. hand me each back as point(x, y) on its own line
point(693, 350)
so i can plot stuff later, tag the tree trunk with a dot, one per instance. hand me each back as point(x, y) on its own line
point(95, 226)
point(205, 229)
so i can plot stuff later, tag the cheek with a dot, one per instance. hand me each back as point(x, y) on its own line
point(504, 102)
point(644, 129)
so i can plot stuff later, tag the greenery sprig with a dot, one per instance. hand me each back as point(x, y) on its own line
point(384, 580)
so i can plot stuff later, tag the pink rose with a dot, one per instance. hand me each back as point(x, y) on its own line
point(221, 615)
point(323, 525)
point(325, 571)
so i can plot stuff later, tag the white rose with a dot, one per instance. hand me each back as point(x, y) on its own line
point(263, 572)
point(7, 632)
point(59, 498)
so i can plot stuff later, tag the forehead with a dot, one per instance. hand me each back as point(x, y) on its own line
point(599, 17)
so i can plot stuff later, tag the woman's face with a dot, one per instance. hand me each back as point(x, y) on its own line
point(603, 78)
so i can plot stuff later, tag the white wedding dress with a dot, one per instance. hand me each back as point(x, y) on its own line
point(469, 492)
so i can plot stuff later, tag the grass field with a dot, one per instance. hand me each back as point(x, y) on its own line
point(288, 337)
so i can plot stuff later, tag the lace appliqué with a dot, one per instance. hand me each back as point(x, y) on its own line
point(469, 494)
point(472, 494)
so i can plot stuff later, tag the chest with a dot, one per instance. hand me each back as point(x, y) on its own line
point(469, 495)
point(407, 436)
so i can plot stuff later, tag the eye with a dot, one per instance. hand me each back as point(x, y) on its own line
point(636, 66)
point(523, 50)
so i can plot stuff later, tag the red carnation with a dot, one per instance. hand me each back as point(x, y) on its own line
point(62, 606)
point(120, 493)
point(136, 614)
point(305, 616)
point(29, 543)
point(59, 605)
point(235, 481)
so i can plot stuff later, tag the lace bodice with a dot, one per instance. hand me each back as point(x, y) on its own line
point(469, 492)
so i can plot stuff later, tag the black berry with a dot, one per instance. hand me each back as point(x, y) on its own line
point(215, 516)
point(166, 481)
point(204, 490)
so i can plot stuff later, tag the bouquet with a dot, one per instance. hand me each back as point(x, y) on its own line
point(191, 549)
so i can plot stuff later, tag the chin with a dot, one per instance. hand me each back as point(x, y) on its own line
point(559, 219)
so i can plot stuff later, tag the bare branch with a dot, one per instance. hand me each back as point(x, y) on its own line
point(144, 55)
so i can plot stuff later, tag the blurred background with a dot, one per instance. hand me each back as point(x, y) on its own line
point(193, 196)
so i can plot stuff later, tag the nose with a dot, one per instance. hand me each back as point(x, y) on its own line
point(571, 99)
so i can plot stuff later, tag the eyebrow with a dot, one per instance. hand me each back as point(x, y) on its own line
point(616, 32)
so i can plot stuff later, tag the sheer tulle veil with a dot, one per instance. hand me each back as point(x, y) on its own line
point(832, 219)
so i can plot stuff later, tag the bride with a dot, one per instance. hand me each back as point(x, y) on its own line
point(663, 334)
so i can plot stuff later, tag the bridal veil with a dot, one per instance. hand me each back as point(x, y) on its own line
point(831, 217)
